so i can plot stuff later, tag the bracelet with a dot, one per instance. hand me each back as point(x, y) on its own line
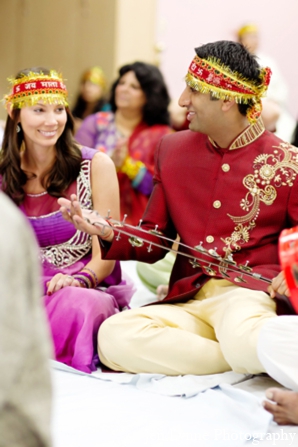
point(92, 273)
point(82, 282)
point(86, 278)
point(89, 278)
point(139, 177)
point(131, 167)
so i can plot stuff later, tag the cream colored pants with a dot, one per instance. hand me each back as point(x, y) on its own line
point(215, 332)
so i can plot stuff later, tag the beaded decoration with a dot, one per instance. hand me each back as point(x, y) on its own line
point(30, 88)
point(249, 28)
point(131, 167)
point(96, 76)
point(211, 76)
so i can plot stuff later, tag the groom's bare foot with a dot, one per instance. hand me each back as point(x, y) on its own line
point(283, 406)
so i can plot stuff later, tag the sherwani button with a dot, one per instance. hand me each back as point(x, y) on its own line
point(217, 204)
point(210, 239)
point(225, 167)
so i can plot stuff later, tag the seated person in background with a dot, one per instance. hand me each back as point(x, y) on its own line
point(91, 98)
point(39, 162)
point(156, 276)
point(220, 184)
point(278, 353)
point(130, 133)
point(25, 383)
point(275, 112)
point(277, 345)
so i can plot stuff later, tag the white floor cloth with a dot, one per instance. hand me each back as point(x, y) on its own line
point(181, 386)
point(97, 412)
point(127, 410)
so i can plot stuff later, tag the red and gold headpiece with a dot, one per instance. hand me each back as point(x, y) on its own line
point(96, 76)
point(249, 28)
point(31, 87)
point(211, 76)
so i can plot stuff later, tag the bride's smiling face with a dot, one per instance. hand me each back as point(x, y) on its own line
point(43, 123)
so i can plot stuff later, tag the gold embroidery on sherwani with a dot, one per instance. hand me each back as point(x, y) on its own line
point(271, 171)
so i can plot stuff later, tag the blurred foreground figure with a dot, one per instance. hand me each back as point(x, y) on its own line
point(25, 387)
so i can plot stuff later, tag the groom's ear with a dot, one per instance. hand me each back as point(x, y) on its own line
point(227, 104)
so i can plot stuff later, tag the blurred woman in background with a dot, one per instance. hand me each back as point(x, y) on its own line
point(92, 95)
point(130, 132)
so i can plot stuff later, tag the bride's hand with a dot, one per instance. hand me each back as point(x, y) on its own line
point(85, 220)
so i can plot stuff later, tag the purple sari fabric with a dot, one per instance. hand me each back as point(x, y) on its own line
point(74, 314)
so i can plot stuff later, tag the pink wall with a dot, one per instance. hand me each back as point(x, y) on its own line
point(186, 24)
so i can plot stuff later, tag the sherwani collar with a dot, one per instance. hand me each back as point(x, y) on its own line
point(248, 136)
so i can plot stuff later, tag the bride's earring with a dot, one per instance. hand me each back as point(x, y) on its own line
point(23, 147)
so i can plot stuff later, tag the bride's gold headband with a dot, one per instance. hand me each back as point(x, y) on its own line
point(29, 88)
